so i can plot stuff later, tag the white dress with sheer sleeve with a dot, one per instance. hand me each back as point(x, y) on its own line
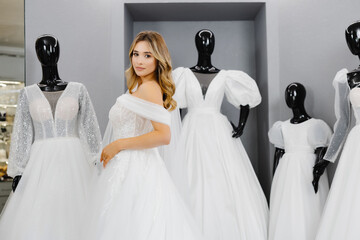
point(341, 216)
point(55, 156)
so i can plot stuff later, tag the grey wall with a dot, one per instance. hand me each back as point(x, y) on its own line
point(261, 56)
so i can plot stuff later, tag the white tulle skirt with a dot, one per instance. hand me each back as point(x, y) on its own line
point(214, 174)
point(295, 209)
point(49, 199)
point(134, 198)
point(341, 217)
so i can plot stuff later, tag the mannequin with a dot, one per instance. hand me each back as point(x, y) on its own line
point(352, 36)
point(295, 94)
point(211, 167)
point(340, 215)
point(205, 72)
point(55, 143)
point(48, 51)
point(295, 210)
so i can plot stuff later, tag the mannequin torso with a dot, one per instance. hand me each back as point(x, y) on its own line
point(48, 51)
point(205, 72)
point(295, 94)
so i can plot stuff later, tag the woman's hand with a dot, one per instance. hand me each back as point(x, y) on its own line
point(110, 151)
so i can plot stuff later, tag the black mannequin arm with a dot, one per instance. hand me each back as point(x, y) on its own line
point(244, 114)
point(16, 181)
point(279, 152)
point(320, 166)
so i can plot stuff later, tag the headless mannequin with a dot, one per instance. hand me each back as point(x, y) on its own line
point(295, 94)
point(352, 35)
point(48, 51)
point(205, 72)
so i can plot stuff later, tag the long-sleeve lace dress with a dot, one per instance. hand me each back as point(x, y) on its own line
point(54, 155)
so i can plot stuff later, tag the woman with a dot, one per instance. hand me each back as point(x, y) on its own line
point(134, 197)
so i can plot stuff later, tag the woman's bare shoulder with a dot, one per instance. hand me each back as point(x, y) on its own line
point(150, 91)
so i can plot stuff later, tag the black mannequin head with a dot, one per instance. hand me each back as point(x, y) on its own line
point(47, 50)
point(352, 35)
point(205, 41)
point(295, 94)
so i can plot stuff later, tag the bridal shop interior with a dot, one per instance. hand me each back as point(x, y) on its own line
point(276, 42)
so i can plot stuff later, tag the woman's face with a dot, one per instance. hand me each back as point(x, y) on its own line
point(143, 62)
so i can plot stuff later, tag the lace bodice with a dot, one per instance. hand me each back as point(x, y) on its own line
point(131, 116)
point(74, 116)
point(127, 123)
point(63, 123)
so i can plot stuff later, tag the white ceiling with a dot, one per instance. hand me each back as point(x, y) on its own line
point(12, 23)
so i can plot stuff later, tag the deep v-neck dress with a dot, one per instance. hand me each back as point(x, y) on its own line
point(211, 169)
point(54, 155)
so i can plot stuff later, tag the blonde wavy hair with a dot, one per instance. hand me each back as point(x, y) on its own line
point(160, 52)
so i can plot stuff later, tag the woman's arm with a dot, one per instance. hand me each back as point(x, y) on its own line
point(161, 134)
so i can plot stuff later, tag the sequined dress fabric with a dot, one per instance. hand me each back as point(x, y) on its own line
point(54, 153)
